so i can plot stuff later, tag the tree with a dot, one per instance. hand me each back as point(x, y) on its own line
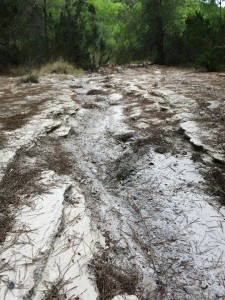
point(160, 15)
point(76, 33)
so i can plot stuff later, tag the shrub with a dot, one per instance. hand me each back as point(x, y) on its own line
point(60, 66)
point(31, 78)
point(212, 60)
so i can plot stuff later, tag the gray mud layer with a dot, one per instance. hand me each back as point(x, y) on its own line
point(112, 186)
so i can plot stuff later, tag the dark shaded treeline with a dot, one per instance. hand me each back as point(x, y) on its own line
point(33, 32)
point(89, 33)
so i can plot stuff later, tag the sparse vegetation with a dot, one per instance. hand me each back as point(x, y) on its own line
point(216, 179)
point(113, 280)
point(19, 178)
point(90, 105)
point(2, 140)
point(53, 156)
point(16, 70)
point(57, 291)
point(31, 78)
point(17, 120)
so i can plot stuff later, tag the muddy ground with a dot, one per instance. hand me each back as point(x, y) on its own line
point(112, 186)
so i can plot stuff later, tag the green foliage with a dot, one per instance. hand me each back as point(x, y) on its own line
point(34, 32)
point(198, 36)
point(111, 19)
point(90, 33)
point(176, 31)
point(204, 40)
point(213, 60)
point(76, 33)
point(160, 17)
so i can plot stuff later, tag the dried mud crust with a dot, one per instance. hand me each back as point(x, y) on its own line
point(208, 91)
point(22, 176)
point(203, 99)
point(18, 178)
point(137, 186)
point(163, 229)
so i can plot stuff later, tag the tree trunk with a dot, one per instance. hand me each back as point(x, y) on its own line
point(45, 21)
point(160, 59)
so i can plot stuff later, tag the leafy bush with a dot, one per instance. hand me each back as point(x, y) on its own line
point(212, 60)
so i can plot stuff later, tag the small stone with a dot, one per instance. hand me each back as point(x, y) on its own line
point(190, 289)
point(178, 211)
point(134, 197)
point(204, 285)
point(148, 283)
point(11, 285)
point(72, 112)
point(95, 92)
point(220, 294)
point(164, 108)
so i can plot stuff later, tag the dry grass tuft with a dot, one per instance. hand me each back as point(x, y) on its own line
point(53, 294)
point(57, 291)
point(113, 280)
point(156, 139)
point(30, 78)
point(90, 105)
point(216, 179)
point(3, 139)
point(60, 67)
point(17, 71)
point(124, 137)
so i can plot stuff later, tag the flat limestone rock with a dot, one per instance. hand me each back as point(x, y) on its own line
point(62, 131)
point(148, 284)
point(189, 127)
point(194, 134)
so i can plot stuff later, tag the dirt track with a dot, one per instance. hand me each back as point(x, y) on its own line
point(113, 184)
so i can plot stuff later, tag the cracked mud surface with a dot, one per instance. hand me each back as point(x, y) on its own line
point(112, 186)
